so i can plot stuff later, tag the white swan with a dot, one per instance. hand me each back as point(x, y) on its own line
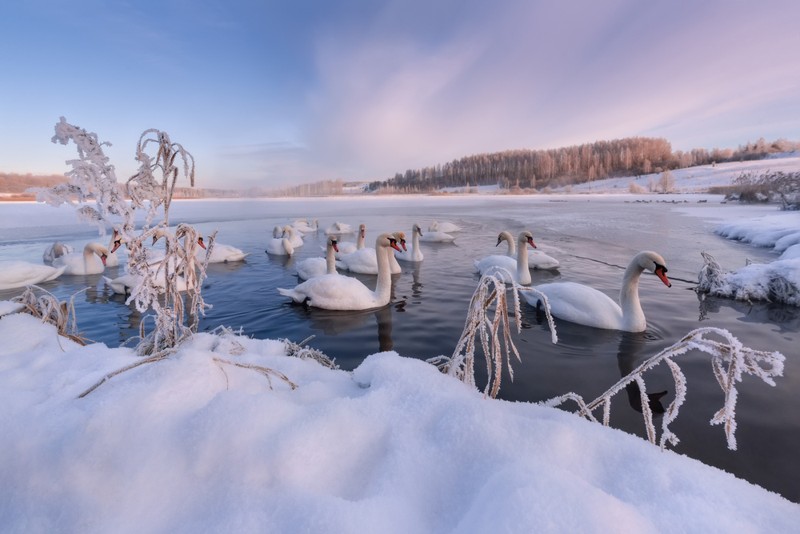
point(339, 228)
point(578, 303)
point(311, 267)
point(91, 261)
point(437, 236)
point(294, 237)
point(220, 253)
point(517, 267)
point(305, 226)
point(22, 273)
point(414, 253)
point(54, 251)
point(338, 292)
point(280, 246)
point(536, 258)
point(444, 226)
point(365, 260)
point(350, 247)
point(277, 232)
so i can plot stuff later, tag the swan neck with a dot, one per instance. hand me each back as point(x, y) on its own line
point(384, 285)
point(360, 242)
point(523, 273)
point(632, 313)
point(330, 260)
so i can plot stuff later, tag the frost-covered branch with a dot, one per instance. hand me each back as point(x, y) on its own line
point(154, 183)
point(91, 179)
point(493, 333)
point(729, 359)
point(50, 310)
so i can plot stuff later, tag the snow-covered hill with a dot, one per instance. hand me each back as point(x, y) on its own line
point(692, 179)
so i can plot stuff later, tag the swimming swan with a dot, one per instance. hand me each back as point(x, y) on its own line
point(311, 267)
point(91, 261)
point(54, 251)
point(536, 258)
point(22, 273)
point(414, 253)
point(339, 292)
point(578, 303)
point(505, 265)
point(350, 247)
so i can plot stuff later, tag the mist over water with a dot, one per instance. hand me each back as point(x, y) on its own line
point(594, 239)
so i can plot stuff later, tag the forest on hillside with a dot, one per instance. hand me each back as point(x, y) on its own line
point(542, 169)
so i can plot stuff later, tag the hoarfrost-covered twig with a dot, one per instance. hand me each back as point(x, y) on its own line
point(299, 350)
point(729, 359)
point(493, 331)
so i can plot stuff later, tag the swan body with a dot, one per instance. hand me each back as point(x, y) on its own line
point(123, 284)
point(536, 258)
point(91, 261)
point(338, 292)
point(414, 253)
point(444, 226)
point(305, 226)
point(294, 237)
point(22, 273)
point(312, 267)
point(280, 246)
point(437, 237)
point(55, 250)
point(582, 304)
point(221, 253)
point(510, 269)
point(339, 228)
point(349, 248)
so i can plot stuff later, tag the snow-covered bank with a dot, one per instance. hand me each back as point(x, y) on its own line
point(190, 444)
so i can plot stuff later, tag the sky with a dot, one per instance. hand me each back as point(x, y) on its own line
point(270, 94)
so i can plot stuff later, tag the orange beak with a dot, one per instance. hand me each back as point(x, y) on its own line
point(103, 259)
point(531, 243)
point(201, 243)
point(117, 244)
point(663, 276)
point(393, 244)
point(335, 246)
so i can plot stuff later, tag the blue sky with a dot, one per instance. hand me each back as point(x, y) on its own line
point(275, 93)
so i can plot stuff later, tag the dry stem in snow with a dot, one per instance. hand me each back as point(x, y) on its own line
point(493, 331)
point(48, 308)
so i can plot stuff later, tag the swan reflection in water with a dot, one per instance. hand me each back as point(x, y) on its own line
point(334, 323)
point(631, 348)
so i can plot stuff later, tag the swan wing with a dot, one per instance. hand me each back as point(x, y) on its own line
point(578, 303)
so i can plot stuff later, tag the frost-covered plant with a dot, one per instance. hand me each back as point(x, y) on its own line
point(162, 162)
point(92, 178)
point(50, 310)
point(491, 331)
point(729, 360)
point(154, 182)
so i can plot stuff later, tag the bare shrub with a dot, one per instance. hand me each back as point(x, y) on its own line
point(636, 189)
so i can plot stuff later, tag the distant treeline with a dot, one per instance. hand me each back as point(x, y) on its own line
point(541, 169)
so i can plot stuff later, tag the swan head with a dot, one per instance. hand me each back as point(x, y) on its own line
point(504, 236)
point(101, 251)
point(401, 238)
point(653, 262)
point(416, 229)
point(526, 237)
point(333, 243)
point(388, 240)
point(362, 230)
